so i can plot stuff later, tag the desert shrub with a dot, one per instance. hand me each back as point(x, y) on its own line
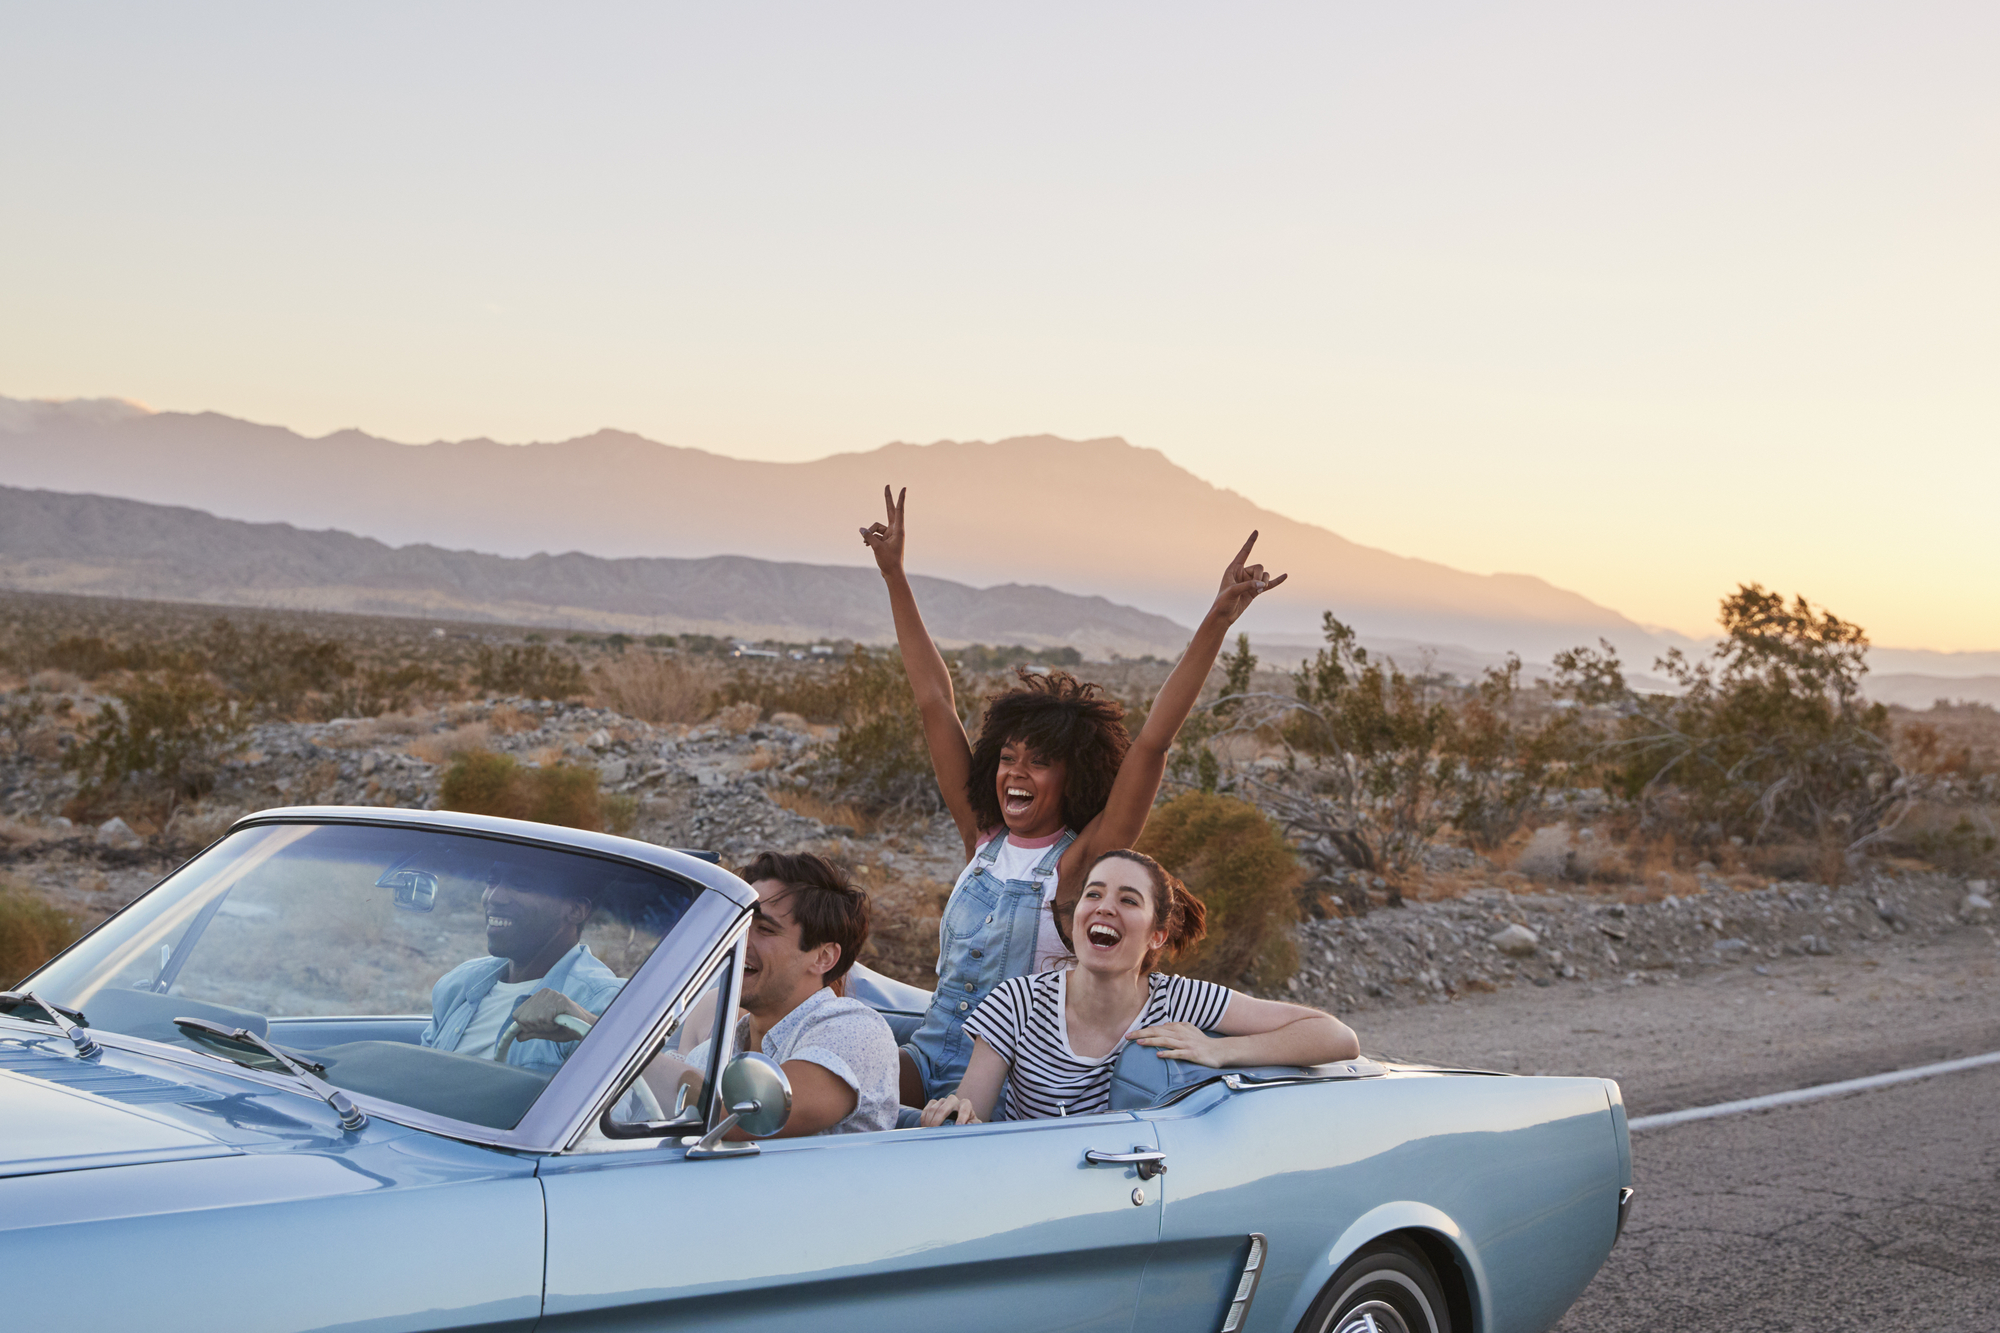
point(1368, 772)
point(19, 716)
point(739, 717)
point(879, 762)
point(164, 729)
point(532, 670)
point(480, 782)
point(373, 691)
point(32, 930)
point(814, 694)
point(275, 671)
point(621, 812)
point(1237, 862)
point(653, 688)
point(92, 657)
point(1769, 738)
point(1509, 748)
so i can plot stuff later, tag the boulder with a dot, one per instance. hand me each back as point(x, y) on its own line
point(115, 833)
point(1977, 908)
point(1516, 940)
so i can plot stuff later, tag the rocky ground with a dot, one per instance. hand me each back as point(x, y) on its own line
point(738, 784)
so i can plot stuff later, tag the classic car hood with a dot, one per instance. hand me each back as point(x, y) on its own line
point(45, 1126)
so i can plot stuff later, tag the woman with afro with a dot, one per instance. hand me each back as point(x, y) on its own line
point(1052, 783)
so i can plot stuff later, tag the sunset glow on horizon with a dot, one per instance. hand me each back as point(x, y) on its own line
point(1644, 304)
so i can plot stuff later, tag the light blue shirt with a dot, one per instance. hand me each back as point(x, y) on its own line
point(455, 999)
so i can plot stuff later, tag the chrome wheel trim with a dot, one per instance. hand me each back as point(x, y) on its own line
point(1373, 1317)
point(1348, 1322)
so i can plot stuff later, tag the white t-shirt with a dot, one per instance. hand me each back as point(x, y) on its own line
point(483, 1033)
point(1016, 861)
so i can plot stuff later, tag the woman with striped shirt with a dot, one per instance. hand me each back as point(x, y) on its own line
point(1050, 1040)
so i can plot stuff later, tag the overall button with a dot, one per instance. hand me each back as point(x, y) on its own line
point(979, 953)
point(968, 985)
point(963, 1006)
point(989, 920)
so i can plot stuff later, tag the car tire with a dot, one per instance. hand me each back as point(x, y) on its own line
point(1387, 1288)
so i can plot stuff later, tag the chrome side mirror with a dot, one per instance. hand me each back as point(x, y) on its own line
point(757, 1096)
point(756, 1091)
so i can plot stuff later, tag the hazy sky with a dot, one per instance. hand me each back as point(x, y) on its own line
point(1646, 300)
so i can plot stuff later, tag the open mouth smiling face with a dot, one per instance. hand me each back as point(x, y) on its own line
point(1113, 925)
point(1029, 788)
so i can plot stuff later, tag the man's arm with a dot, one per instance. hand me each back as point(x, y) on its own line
point(821, 1099)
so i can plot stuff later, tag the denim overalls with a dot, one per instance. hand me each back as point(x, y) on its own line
point(987, 935)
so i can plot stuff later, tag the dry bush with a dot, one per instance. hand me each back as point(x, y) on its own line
point(481, 782)
point(1960, 837)
point(652, 688)
point(1238, 863)
point(31, 931)
point(508, 720)
point(833, 814)
point(621, 812)
point(444, 746)
point(739, 717)
point(533, 670)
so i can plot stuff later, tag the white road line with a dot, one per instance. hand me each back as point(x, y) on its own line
point(1666, 1118)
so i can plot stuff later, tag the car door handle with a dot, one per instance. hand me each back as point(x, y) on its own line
point(1150, 1162)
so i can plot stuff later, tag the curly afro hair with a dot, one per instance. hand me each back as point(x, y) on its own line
point(1062, 719)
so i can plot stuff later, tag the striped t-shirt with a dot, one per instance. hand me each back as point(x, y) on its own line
point(1024, 1020)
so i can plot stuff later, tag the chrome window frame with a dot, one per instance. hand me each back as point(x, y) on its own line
point(717, 915)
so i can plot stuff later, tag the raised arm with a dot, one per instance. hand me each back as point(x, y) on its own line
point(930, 679)
point(1138, 781)
point(1256, 1032)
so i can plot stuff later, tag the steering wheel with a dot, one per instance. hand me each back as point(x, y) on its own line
point(513, 1030)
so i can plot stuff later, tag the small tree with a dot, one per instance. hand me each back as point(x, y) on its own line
point(1769, 735)
point(1368, 764)
point(1512, 747)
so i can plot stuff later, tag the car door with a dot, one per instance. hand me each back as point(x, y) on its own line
point(985, 1227)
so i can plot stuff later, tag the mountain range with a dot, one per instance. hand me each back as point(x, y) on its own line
point(90, 544)
point(1091, 516)
point(1103, 545)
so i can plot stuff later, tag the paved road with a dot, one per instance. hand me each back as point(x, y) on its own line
point(1876, 1210)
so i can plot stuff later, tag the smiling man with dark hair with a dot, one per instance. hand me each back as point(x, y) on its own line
point(838, 1053)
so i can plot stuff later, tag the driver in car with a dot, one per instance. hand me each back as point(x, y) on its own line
point(539, 977)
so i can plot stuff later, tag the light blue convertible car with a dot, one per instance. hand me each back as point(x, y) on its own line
point(234, 1106)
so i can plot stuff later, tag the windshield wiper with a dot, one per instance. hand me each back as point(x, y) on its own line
point(305, 1071)
point(71, 1021)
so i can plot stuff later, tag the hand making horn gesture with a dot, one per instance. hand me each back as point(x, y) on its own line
point(886, 539)
point(1241, 583)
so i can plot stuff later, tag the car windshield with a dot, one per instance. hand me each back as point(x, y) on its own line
point(394, 958)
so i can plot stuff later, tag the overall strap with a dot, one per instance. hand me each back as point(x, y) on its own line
point(989, 851)
point(1047, 865)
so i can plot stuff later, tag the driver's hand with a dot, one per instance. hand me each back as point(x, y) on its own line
point(537, 1016)
point(940, 1110)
